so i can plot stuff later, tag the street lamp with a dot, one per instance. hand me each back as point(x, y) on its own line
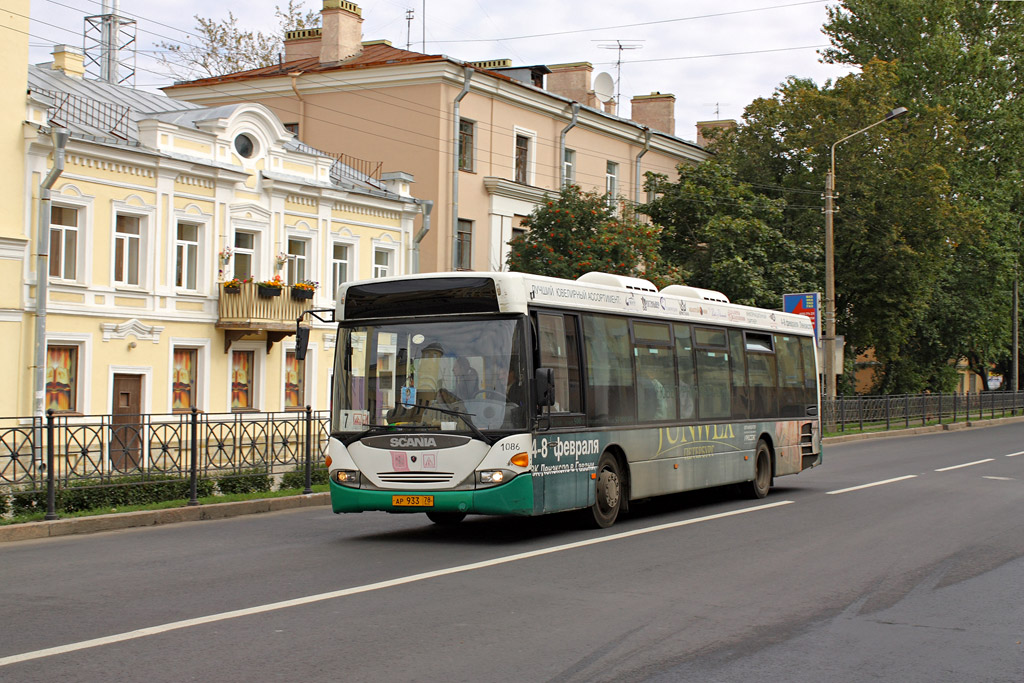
point(830, 273)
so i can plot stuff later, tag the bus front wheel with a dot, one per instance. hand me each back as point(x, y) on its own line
point(446, 518)
point(608, 498)
point(758, 488)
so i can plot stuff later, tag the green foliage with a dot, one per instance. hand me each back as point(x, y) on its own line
point(578, 232)
point(118, 492)
point(221, 47)
point(296, 479)
point(248, 481)
point(723, 235)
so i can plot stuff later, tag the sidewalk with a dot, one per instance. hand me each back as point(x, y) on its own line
point(127, 520)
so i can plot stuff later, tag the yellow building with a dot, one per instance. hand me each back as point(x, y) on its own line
point(159, 204)
point(487, 141)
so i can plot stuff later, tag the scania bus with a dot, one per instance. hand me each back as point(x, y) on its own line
point(516, 394)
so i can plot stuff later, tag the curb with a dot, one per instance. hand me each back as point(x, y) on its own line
point(128, 520)
point(917, 431)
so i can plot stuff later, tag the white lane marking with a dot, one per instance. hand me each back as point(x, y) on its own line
point(966, 464)
point(867, 486)
point(320, 597)
point(1014, 455)
point(999, 478)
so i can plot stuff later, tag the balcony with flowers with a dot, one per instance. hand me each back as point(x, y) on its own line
point(248, 307)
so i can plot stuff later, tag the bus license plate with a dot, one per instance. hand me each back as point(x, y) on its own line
point(413, 501)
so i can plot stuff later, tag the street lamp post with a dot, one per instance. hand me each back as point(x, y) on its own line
point(830, 272)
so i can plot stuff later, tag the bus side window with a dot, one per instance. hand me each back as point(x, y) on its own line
point(740, 395)
point(810, 371)
point(687, 385)
point(714, 386)
point(610, 381)
point(558, 351)
point(761, 374)
point(791, 376)
point(655, 370)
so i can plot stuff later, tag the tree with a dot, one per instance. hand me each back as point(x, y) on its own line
point(578, 232)
point(900, 227)
point(221, 47)
point(723, 235)
point(965, 56)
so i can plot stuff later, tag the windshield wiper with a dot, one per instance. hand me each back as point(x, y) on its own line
point(448, 411)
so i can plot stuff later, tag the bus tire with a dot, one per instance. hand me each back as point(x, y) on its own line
point(762, 482)
point(608, 496)
point(446, 518)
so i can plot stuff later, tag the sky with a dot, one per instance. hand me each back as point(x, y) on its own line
point(715, 56)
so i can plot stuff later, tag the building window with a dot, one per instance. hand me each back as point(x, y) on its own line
point(297, 271)
point(127, 237)
point(466, 145)
point(381, 262)
point(294, 382)
point(62, 378)
point(611, 181)
point(245, 254)
point(569, 166)
point(245, 146)
point(63, 242)
point(522, 158)
point(186, 249)
point(464, 246)
point(183, 379)
point(340, 265)
point(243, 370)
point(292, 128)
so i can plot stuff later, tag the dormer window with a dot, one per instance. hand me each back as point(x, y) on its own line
point(244, 146)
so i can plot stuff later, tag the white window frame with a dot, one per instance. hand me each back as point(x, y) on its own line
point(202, 348)
point(377, 269)
point(307, 385)
point(459, 244)
point(135, 207)
point(83, 342)
point(349, 258)
point(569, 166)
point(470, 165)
point(257, 378)
point(182, 243)
point(125, 243)
point(63, 230)
point(531, 154)
point(298, 268)
point(611, 181)
point(253, 253)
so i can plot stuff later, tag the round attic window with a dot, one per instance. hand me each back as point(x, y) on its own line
point(244, 145)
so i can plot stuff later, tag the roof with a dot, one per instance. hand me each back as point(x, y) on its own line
point(108, 113)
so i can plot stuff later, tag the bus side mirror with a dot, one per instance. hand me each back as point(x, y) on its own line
point(301, 342)
point(544, 380)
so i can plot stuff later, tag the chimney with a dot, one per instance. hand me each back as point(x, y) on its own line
point(70, 60)
point(301, 44)
point(656, 111)
point(573, 81)
point(341, 32)
point(709, 126)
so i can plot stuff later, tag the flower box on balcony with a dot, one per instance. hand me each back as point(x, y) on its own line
point(232, 289)
point(267, 292)
point(301, 294)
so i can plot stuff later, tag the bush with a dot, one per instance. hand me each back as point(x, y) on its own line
point(248, 481)
point(296, 479)
point(119, 491)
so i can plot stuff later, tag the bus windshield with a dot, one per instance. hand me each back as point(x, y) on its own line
point(457, 375)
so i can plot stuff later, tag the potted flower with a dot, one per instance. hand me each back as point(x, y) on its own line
point(304, 289)
point(234, 285)
point(269, 288)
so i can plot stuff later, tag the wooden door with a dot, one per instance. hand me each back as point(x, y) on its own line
point(126, 423)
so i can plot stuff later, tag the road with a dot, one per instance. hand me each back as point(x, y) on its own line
point(899, 559)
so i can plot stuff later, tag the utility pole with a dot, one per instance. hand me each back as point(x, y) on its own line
point(409, 16)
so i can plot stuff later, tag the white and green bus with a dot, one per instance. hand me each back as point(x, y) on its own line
point(515, 394)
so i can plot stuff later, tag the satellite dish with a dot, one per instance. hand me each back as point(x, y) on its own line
point(604, 86)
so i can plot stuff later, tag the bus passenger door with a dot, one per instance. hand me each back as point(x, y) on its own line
point(566, 479)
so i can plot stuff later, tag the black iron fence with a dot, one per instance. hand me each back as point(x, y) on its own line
point(46, 453)
point(859, 413)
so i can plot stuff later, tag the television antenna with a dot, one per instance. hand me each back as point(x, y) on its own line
point(717, 106)
point(620, 46)
point(410, 14)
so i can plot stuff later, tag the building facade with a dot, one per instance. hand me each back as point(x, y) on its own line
point(486, 141)
point(161, 206)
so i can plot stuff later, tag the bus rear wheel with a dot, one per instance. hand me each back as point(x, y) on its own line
point(608, 497)
point(758, 488)
point(446, 518)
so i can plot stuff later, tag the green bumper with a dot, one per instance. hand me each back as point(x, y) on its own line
point(514, 498)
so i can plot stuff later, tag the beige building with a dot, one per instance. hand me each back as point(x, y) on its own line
point(160, 204)
point(485, 141)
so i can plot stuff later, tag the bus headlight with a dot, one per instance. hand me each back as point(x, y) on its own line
point(493, 477)
point(346, 477)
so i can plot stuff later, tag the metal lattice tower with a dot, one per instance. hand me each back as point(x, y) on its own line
point(110, 46)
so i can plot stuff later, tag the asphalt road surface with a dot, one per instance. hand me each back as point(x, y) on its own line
point(899, 559)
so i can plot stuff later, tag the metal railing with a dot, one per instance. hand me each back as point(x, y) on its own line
point(44, 454)
point(860, 413)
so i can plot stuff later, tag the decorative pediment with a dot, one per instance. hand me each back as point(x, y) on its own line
point(132, 327)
